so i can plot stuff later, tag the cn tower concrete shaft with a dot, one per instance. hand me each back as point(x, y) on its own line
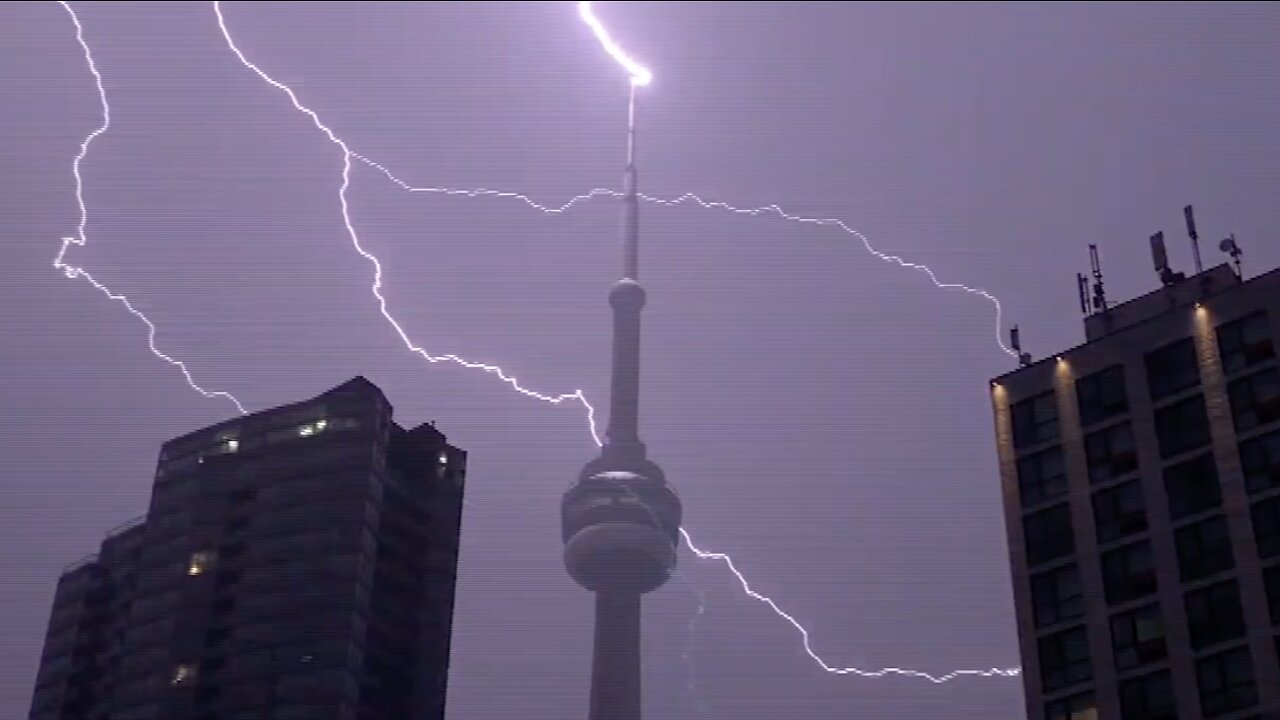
point(615, 665)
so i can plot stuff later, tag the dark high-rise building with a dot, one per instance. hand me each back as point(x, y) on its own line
point(621, 520)
point(294, 563)
point(1141, 482)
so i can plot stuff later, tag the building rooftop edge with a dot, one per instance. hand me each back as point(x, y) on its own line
point(1052, 357)
point(278, 408)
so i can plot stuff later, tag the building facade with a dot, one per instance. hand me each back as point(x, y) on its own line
point(295, 563)
point(1141, 485)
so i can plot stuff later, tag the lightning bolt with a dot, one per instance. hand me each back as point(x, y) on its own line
point(686, 199)
point(348, 156)
point(640, 75)
point(72, 271)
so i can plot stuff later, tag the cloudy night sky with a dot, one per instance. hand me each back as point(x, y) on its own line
point(823, 412)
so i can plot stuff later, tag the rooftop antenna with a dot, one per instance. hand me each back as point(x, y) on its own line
point(1024, 359)
point(1099, 295)
point(1160, 259)
point(1195, 237)
point(1082, 285)
point(1230, 247)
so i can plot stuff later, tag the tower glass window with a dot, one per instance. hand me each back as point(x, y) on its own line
point(1080, 706)
point(1064, 659)
point(1260, 461)
point(1111, 453)
point(1119, 511)
point(1266, 526)
point(1204, 549)
point(1137, 637)
point(1226, 682)
point(1042, 477)
point(1245, 342)
point(1102, 395)
point(1182, 427)
point(1192, 486)
point(1035, 420)
point(1056, 596)
point(1149, 697)
point(1255, 399)
point(1127, 573)
point(1048, 534)
point(1214, 614)
point(1172, 368)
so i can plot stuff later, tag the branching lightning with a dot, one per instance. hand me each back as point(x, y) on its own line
point(639, 76)
point(347, 156)
point(72, 271)
point(692, 199)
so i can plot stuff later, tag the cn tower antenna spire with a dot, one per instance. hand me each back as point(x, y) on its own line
point(631, 207)
point(627, 298)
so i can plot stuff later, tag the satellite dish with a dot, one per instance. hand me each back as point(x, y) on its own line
point(1227, 245)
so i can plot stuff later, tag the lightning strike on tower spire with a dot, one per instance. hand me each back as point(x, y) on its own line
point(639, 77)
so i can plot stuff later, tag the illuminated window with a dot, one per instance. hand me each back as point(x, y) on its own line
point(183, 675)
point(199, 563)
point(444, 459)
point(310, 429)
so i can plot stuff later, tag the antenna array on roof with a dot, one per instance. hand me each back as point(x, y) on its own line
point(1230, 247)
point(1015, 342)
point(1160, 259)
point(1099, 294)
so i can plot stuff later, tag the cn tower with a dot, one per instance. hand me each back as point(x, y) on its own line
point(621, 520)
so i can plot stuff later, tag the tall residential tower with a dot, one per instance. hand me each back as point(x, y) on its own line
point(1141, 481)
point(294, 563)
point(621, 520)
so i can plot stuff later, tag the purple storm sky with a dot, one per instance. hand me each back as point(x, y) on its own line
point(823, 413)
